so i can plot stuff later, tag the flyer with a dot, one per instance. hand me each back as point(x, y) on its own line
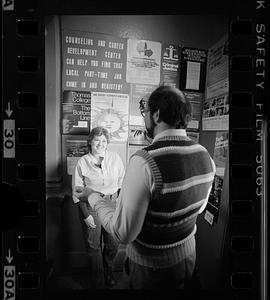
point(170, 67)
point(215, 115)
point(218, 88)
point(75, 112)
point(138, 92)
point(213, 206)
point(195, 100)
point(221, 152)
point(216, 191)
point(137, 135)
point(193, 69)
point(193, 135)
point(75, 150)
point(110, 110)
point(143, 62)
point(218, 62)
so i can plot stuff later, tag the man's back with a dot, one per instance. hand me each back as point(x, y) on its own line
point(182, 173)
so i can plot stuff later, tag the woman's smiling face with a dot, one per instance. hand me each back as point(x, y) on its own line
point(98, 144)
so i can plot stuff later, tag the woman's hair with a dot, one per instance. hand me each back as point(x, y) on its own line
point(174, 108)
point(97, 131)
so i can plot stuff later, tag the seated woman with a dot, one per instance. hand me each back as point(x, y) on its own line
point(103, 171)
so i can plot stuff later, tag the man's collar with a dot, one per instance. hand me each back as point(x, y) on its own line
point(170, 132)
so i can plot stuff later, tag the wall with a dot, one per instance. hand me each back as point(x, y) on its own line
point(200, 31)
point(53, 94)
point(211, 242)
point(197, 30)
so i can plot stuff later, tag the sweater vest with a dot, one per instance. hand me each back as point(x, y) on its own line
point(183, 173)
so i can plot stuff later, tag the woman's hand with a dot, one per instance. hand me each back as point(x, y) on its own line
point(89, 221)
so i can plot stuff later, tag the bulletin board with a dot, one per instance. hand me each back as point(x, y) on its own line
point(215, 115)
point(104, 77)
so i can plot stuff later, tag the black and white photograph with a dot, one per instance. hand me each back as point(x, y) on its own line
point(134, 149)
point(111, 228)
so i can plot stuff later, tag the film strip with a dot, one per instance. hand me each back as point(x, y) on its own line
point(247, 171)
point(25, 270)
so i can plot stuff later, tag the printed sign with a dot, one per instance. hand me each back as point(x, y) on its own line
point(195, 100)
point(137, 135)
point(209, 217)
point(170, 66)
point(76, 112)
point(138, 92)
point(111, 111)
point(95, 62)
point(213, 204)
point(216, 105)
point(193, 69)
point(143, 62)
point(216, 113)
point(218, 62)
point(193, 135)
point(221, 152)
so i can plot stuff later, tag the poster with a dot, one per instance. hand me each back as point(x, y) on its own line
point(221, 152)
point(76, 112)
point(215, 115)
point(120, 149)
point(143, 62)
point(213, 205)
point(93, 61)
point(170, 66)
point(137, 135)
point(193, 69)
point(218, 62)
point(218, 88)
point(195, 100)
point(110, 110)
point(220, 156)
point(216, 104)
point(193, 135)
point(138, 92)
point(193, 75)
point(75, 150)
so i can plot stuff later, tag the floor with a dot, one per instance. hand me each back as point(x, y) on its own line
point(72, 279)
point(79, 280)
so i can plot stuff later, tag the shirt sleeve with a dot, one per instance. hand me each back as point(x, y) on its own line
point(77, 180)
point(126, 221)
point(121, 172)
